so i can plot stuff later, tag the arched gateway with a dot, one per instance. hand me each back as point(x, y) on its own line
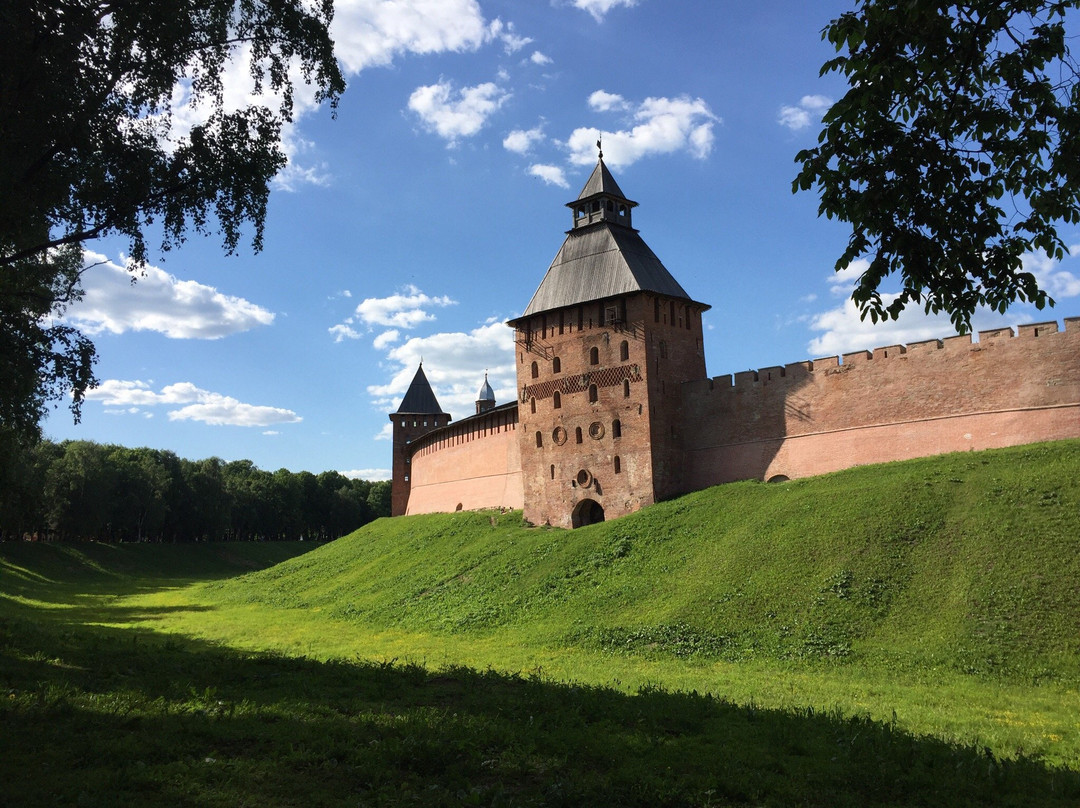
point(587, 512)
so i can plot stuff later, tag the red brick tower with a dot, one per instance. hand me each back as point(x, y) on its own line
point(418, 414)
point(602, 351)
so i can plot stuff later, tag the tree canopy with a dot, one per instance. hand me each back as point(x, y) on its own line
point(955, 151)
point(80, 490)
point(90, 146)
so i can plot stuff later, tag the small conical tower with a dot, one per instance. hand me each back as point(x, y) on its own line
point(418, 414)
point(485, 399)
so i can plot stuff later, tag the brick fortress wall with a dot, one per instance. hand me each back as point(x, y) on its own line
point(473, 463)
point(892, 403)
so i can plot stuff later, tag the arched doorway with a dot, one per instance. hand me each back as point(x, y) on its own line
point(587, 512)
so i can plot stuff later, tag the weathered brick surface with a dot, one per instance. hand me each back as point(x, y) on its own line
point(931, 398)
point(474, 463)
point(620, 449)
point(892, 403)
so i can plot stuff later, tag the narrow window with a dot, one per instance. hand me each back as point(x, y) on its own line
point(626, 388)
point(539, 440)
point(616, 428)
point(556, 365)
point(535, 370)
point(553, 472)
point(577, 435)
point(618, 464)
point(594, 356)
point(532, 405)
point(556, 400)
point(594, 393)
point(656, 310)
point(624, 351)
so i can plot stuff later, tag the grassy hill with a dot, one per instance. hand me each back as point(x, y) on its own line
point(968, 562)
point(903, 634)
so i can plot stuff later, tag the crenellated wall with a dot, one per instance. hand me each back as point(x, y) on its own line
point(892, 403)
point(474, 463)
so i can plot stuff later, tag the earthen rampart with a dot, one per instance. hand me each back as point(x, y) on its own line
point(892, 403)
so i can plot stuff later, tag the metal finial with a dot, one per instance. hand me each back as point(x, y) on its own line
point(600, 148)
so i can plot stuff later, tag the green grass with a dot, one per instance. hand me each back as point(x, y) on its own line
point(902, 634)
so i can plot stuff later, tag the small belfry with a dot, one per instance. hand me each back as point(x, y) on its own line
point(485, 399)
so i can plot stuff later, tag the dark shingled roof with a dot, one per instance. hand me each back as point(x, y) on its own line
point(420, 399)
point(601, 182)
point(602, 259)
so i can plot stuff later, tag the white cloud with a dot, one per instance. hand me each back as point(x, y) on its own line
point(1057, 282)
point(369, 33)
point(454, 364)
point(406, 309)
point(598, 8)
point(344, 331)
point(195, 404)
point(158, 301)
point(663, 126)
point(539, 58)
point(386, 433)
point(453, 115)
point(552, 175)
point(373, 475)
point(809, 110)
point(386, 339)
point(520, 141)
point(504, 32)
point(603, 101)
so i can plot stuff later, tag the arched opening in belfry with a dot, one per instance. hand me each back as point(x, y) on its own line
point(587, 512)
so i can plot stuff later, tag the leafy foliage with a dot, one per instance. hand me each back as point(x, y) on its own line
point(80, 490)
point(955, 151)
point(89, 146)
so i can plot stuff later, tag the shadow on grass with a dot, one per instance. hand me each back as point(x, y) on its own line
point(104, 716)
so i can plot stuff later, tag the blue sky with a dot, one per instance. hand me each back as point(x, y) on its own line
point(425, 215)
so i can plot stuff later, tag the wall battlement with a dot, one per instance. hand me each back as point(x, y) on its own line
point(889, 403)
point(796, 372)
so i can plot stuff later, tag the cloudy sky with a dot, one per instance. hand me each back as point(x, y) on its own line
point(424, 216)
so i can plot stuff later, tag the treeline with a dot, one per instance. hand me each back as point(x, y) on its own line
point(80, 490)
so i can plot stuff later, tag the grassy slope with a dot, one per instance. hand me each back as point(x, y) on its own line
point(941, 590)
point(966, 563)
